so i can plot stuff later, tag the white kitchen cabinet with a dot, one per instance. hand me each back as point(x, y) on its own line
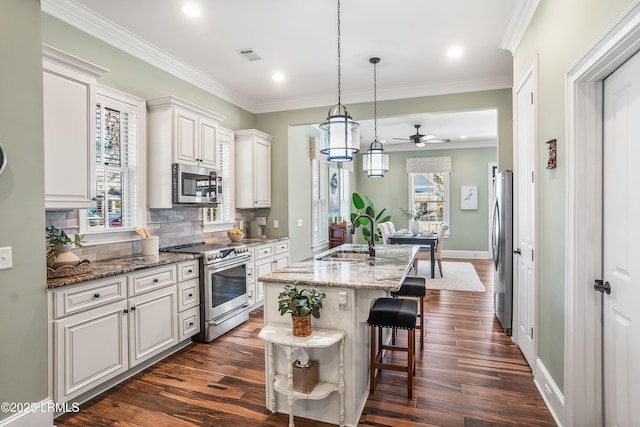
point(253, 169)
point(69, 110)
point(178, 132)
point(89, 349)
point(153, 324)
point(263, 267)
point(269, 257)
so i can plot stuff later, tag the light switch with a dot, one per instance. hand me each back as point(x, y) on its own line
point(5, 258)
point(276, 224)
point(300, 222)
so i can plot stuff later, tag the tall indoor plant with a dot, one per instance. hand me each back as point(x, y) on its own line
point(364, 205)
point(302, 304)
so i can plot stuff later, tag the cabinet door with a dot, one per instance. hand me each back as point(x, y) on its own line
point(208, 143)
point(262, 267)
point(69, 103)
point(262, 173)
point(186, 137)
point(90, 348)
point(152, 324)
point(281, 261)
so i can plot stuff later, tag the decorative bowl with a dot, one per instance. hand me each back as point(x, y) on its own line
point(236, 237)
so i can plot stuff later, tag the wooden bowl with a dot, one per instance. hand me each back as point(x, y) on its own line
point(236, 237)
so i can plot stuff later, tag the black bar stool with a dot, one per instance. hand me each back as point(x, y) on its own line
point(415, 287)
point(396, 313)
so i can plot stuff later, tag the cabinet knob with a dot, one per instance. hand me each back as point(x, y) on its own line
point(155, 280)
point(190, 271)
point(96, 295)
point(190, 295)
point(190, 323)
point(125, 311)
point(133, 308)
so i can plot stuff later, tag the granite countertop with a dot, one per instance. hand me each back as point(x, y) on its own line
point(115, 266)
point(392, 263)
point(254, 241)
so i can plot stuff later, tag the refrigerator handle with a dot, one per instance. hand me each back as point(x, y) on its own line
point(495, 229)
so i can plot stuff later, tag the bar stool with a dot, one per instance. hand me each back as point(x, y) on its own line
point(415, 287)
point(396, 313)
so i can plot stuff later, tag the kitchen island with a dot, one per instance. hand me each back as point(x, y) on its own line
point(351, 281)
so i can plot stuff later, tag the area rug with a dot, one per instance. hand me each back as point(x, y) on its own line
point(458, 276)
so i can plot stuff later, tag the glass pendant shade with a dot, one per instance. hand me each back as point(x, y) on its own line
point(375, 162)
point(340, 135)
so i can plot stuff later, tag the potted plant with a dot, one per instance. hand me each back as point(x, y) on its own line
point(59, 254)
point(302, 304)
point(414, 219)
point(364, 205)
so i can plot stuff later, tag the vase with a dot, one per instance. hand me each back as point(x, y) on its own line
point(414, 226)
point(301, 325)
point(65, 257)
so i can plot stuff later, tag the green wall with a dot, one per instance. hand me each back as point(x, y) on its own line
point(582, 22)
point(469, 229)
point(23, 330)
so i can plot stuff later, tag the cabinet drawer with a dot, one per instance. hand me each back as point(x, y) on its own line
point(82, 297)
point(282, 247)
point(151, 278)
point(264, 251)
point(188, 323)
point(188, 294)
point(250, 273)
point(188, 270)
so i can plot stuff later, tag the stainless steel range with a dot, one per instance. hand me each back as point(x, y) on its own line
point(223, 286)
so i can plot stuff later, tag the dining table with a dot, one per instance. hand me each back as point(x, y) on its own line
point(430, 240)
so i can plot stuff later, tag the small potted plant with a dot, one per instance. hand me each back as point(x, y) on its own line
point(302, 304)
point(59, 252)
point(414, 219)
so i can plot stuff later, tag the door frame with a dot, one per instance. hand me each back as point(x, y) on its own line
point(583, 216)
point(492, 170)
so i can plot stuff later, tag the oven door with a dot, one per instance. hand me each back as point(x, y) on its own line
point(225, 289)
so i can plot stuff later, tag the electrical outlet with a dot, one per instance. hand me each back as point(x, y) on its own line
point(300, 222)
point(276, 224)
point(5, 258)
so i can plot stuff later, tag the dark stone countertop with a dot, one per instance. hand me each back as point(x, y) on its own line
point(115, 266)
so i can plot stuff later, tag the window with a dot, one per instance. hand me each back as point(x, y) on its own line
point(320, 204)
point(222, 216)
point(429, 194)
point(120, 123)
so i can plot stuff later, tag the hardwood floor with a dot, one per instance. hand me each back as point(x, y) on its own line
point(470, 374)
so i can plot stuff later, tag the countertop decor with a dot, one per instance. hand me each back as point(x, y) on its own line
point(85, 266)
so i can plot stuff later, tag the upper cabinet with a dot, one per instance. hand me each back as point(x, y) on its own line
point(179, 132)
point(69, 101)
point(253, 169)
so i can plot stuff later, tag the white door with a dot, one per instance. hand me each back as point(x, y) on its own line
point(524, 272)
point(621, 329)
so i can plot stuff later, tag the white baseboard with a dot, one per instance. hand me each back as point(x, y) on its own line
point(39, 414)
point(465, 254)
point(550, 392)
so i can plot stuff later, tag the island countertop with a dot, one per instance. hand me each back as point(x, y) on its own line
point(392, 263)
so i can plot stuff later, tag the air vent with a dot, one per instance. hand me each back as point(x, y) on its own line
point(249, 54)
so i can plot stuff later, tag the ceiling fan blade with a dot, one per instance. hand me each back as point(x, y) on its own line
point(403, 139)
point(427, 137)
point(420, 144)
point(438, 140)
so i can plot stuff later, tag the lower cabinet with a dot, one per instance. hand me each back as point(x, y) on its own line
point(100, 330)
point(269, 257)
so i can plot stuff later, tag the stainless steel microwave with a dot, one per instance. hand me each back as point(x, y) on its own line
point(196, 186)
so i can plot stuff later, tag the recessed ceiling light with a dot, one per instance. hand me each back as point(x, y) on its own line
point(191, 9)
point(454, 52)
point(279, 77)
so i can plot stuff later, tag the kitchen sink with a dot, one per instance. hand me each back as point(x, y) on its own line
point(344, 256)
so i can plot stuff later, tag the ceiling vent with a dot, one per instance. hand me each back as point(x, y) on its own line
point(249, 54)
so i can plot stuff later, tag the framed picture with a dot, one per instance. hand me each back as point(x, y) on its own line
point(468, 197)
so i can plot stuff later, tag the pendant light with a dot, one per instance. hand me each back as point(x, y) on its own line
point(340, 134)
point(375, 162)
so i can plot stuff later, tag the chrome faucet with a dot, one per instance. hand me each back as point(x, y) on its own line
point(372, 249)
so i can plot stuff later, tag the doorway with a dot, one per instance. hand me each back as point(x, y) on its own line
point(584, 219)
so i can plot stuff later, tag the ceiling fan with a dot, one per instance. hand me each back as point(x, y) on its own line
point(419, 140)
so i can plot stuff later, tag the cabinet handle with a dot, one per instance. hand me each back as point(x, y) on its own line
point(190, 271)
point(125, 311)
point(96, 295)
point(155, 280)
point(190, 323)
point(133, 308)
point(190, 295)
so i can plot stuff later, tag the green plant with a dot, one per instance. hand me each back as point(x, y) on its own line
point(364, 205)
point(58, 238)
point(300, 302)
point(417, 216)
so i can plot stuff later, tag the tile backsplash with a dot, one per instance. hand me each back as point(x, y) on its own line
point(181, 224)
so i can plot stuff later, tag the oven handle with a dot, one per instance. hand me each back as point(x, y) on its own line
point(217, 321)
point(223, 265)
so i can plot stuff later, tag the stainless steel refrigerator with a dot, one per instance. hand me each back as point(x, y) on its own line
point(502, 247)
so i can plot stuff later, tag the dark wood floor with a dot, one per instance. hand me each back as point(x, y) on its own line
point(469, 374)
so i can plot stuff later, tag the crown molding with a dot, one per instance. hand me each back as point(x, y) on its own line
point(521, 17)
point(83, 19)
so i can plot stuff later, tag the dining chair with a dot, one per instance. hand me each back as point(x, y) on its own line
point(384, 232)
point(425, 253)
